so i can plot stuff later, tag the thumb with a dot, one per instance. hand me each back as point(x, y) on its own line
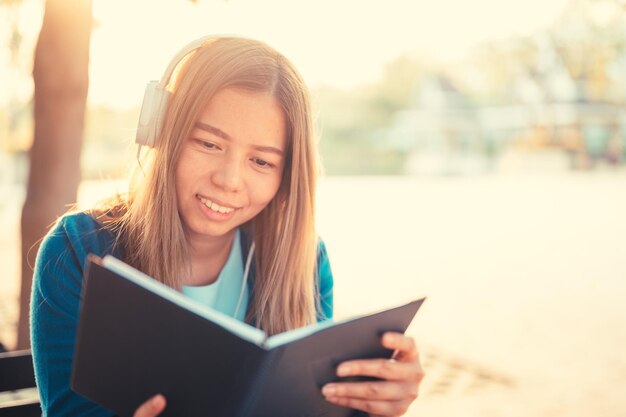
point(152, 407)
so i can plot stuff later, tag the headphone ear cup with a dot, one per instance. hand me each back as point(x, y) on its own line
point(151, 116)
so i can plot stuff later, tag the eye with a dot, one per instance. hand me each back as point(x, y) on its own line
point(207, 145)
point(262, 163)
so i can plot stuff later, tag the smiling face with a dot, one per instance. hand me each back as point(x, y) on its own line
point(231, 165)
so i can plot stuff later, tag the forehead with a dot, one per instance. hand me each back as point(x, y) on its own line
point(248, 117)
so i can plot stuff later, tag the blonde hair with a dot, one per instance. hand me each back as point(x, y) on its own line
point(149, 226)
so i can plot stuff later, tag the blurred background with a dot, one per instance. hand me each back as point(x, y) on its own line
point(473, 152)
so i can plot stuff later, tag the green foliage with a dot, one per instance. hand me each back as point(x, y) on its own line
point(345, 158)
point(395, 90)
point(352, 122)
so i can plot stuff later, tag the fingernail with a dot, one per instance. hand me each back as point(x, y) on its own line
point(390, 338)
point(329, 390)
point(157, 401)
point(344, 370)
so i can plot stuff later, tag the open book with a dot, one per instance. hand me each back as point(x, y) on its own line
point(138, 337)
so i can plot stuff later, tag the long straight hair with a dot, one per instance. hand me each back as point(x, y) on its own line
point(149, 226)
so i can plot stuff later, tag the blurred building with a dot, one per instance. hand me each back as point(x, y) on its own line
point(563, 96)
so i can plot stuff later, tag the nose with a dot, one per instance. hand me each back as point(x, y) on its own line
point(228, 175)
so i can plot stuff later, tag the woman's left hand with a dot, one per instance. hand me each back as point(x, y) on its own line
point(401, 377)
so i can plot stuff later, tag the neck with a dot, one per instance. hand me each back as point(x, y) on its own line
point(208, 257)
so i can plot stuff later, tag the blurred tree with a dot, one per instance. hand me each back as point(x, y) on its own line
point(355, 120)
point(396, 90)
point(61, 82)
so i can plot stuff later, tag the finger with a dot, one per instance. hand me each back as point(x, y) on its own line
point(406, 350)
point(387, 369)
point(381, 390)
point(384, 408)
point(152, 407)
point(404, 346)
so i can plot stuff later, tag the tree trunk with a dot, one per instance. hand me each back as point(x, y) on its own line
point(61, 83)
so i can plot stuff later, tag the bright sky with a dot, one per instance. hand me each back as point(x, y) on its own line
point(333, 42)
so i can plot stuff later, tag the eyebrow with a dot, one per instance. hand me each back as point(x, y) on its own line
point(220, 133)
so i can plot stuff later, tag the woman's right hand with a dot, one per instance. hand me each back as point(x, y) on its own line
point(151, 408)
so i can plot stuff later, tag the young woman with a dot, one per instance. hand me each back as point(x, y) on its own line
point(222, 209)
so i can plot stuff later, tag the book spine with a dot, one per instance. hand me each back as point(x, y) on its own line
point(257, 383)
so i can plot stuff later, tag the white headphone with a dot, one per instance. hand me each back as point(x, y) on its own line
point(156, 97)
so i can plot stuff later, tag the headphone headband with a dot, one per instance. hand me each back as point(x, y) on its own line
point(182, 53)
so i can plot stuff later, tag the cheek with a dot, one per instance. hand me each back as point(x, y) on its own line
point(189, 172)
point(265, 192)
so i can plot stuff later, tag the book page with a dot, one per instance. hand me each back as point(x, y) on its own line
point(291, 335)
point(303, 332)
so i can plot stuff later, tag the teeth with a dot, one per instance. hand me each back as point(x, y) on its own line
point(215, 207)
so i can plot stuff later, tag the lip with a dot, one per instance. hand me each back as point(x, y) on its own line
point(214, 215)
point(216, 201)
